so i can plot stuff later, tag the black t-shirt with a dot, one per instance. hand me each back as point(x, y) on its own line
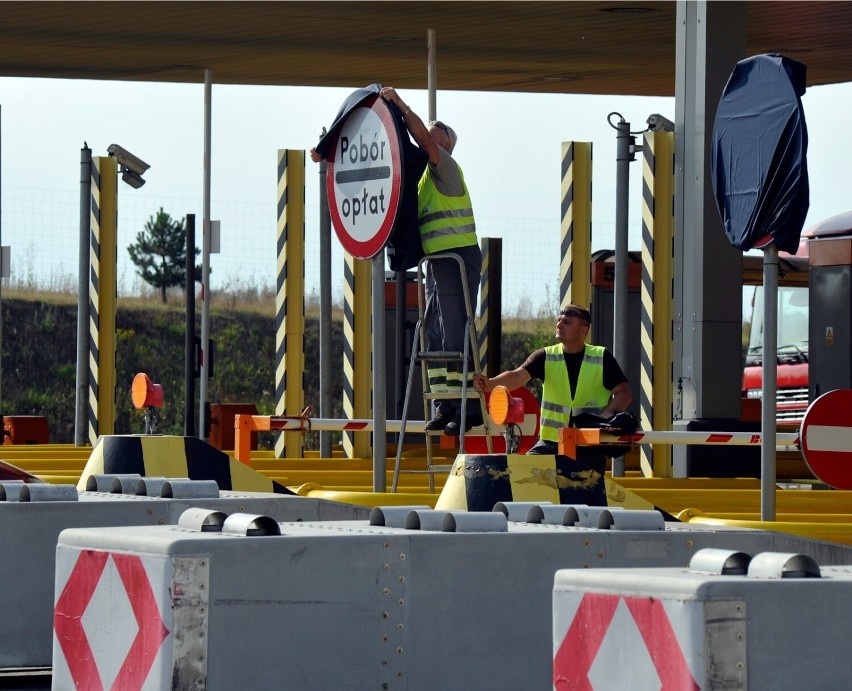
point(612, 373)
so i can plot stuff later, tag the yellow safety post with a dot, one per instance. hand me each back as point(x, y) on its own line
point(576, 232)
point(490, 301)
point(290, 297)
point(357, 352)
point(655, 389)
point(103, 255)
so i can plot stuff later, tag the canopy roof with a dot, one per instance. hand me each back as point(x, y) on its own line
point(550, 47)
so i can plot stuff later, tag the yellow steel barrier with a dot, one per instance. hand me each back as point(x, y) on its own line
point(838, 518)
point(831, 532)
point(376, 498)
point(747, 500)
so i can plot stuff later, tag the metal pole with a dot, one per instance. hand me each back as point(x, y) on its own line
point(80, 416)
point(325, 310)
point(770, 376)
point(189, 340)
point(205, 262)
point(622, 178)
point(432, 73)
point(619, 326)
point(399, 344)
point(379, 376)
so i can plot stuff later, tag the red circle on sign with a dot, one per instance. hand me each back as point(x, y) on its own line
point(343, 208)
point(826, 437)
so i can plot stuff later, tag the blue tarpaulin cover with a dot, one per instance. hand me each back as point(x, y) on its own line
point(759, 154)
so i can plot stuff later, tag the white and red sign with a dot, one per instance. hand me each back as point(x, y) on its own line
point(364, 179)
point(611, 635)
point(826, 437)
point(108, 627)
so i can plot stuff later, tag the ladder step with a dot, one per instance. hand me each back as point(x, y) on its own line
point(440, 355)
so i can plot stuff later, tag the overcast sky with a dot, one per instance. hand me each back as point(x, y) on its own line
point(509, 148)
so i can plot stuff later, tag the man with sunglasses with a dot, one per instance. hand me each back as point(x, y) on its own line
point(445, 220)
point(578, 378)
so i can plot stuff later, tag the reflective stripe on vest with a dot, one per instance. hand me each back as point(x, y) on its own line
point(445, 222)
point(590, 396)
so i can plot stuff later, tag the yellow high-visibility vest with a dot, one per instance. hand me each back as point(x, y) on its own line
point(445, 222)
point(557, 405)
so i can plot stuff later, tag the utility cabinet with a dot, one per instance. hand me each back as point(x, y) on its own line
point(830, 295)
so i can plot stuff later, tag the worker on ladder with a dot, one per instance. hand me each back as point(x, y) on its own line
point(445, 219)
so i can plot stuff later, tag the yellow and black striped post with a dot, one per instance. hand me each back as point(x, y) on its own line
point(103, 256)
point(576, 232)
point(290, 298)
point(490, 303)
point(357, 352)
point(655, 398)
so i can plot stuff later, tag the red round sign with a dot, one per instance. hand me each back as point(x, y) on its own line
point(826, 437)
point(364, 179)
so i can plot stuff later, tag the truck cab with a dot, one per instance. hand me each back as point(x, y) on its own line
point(793, 353)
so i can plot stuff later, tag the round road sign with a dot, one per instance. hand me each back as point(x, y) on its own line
point(826, 437)
point(364, 179)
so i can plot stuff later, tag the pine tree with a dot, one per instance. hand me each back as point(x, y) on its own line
point(160, 253)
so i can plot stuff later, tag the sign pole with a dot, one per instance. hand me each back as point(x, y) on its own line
point(770, 376)
point(379, 376)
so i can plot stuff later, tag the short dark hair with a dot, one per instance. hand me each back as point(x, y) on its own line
point(576, 311)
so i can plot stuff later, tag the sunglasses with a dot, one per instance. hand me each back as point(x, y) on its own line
point(440, 125)
point(575, 313)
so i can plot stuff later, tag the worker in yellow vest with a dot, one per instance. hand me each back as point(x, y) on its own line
point(578, 378)
point(445, 220)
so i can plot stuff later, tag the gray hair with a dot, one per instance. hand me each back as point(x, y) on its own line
point(449, 131)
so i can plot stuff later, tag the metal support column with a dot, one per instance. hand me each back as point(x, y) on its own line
point(576, 229)
point(189, 338)
point(290, 298)
point(655, 389)
point(711, 38)
point(325, 310)
point(102, 294)
point(82, 384)
point(356, 351)
point(204, 360)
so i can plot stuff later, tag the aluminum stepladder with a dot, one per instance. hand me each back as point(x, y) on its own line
point(419, 354)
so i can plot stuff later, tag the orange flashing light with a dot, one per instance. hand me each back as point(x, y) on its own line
point(505, 409)
point(145, 394)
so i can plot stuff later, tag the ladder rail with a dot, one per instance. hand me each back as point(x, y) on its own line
point(422, 356)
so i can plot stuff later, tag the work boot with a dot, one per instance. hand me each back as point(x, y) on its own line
point(453, 429)
point(443, 417)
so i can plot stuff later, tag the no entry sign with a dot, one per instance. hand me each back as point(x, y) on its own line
point(826, 438)
point(364, 179)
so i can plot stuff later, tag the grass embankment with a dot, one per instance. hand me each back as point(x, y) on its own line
point(39, 356)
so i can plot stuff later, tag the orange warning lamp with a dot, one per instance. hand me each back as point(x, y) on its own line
point(145, 394)
point(505, 409)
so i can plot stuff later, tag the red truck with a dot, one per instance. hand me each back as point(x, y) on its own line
point(793, 315)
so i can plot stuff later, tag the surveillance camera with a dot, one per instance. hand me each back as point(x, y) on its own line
point(127, 160)
point(132, 179)
point(658, 123)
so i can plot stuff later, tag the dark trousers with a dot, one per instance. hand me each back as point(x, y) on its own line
point(445, 317)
